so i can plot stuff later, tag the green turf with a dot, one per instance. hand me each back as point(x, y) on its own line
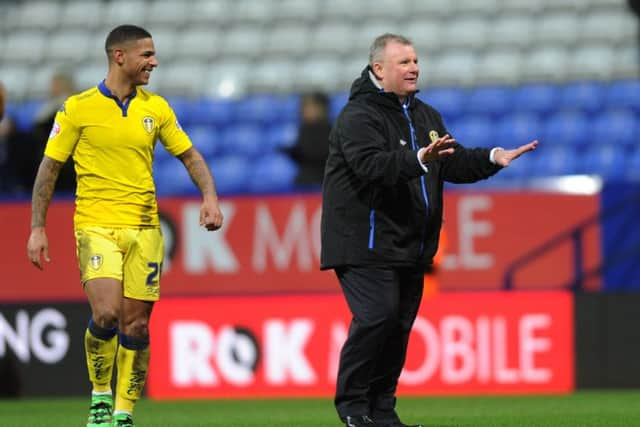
point(583, 409)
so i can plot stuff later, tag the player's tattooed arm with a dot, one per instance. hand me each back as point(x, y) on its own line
point(199, 172)
point(43, 187)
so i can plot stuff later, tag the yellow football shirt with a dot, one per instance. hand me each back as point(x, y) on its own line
point(112, 146)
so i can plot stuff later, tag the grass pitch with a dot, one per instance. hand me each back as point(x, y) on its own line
point(583, 409)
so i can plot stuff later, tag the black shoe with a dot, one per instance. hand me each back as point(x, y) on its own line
point(359, 421)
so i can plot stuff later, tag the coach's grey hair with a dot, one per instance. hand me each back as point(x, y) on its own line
point(378, 45)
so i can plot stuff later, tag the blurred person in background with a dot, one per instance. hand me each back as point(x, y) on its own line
point(634, 5)
point(111, 130)
point(312, 144)
point(61, 86)
point(389, 155)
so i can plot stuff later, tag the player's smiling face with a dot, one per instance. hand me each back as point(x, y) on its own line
point(398, 69)
point(140, 60)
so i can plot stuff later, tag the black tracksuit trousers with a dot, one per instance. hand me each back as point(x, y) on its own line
point(384, 302)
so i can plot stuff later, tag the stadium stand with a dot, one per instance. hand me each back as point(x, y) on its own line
point(499, 71)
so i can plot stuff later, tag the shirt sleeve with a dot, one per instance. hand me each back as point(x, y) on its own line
point(172, 136)
point(64, 134)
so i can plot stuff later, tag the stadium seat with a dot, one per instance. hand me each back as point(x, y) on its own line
point(211, 111)
point(518, 128)
point(585, 95)
point(502, 66)
point(172, 179)
point(366, 33)
point(557, 29)
point(336, 103)
point(26, 47)
point(207, 139)
point(299, 12)
point(258, 109)
point(457, 67)
point(318, 73)
point(619, 128)
point(178, 78)
point(165, 39)
point(567, 128)
point(466, 33)
point(433, 9)
point(254, 12)
point(426, 34)
point(281, 135)
point(196, 42)
point(244, 139)
point(243, 41)
point(210, 12)
point(449, 101)
point(269, 75)
point(273, 173)
point(118, 12)
point(333, 37)
point(492, 100)
point(40, 15)
point(287, 40)
point(228, 79)
point(553, 159)
point(591, 61)
point(70, 46)
point(608, 26)
point(511, 31)
point(474, 131)
point(231, 173)
point(539, 98)
point(81, 14)
point(546, 64)
point(167, 13)
point(605, 160)
point(623, 94)
point(633, 164)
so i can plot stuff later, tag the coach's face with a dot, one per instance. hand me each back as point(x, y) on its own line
point(398, 70)
point(139, 60)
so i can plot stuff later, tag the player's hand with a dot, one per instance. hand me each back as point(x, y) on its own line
point(38, 247)
point(439, 148)
point(505, 157)
point(210, 215)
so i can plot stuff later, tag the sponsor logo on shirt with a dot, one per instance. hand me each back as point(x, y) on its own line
point(148, 124)
point(433, 135)
point(55, 130)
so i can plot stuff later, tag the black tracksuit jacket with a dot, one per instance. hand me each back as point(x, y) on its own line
point(379, 206)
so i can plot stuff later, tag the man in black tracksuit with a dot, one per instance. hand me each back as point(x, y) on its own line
point(389, 154)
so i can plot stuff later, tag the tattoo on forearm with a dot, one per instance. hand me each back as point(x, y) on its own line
point(43, 190)
point(199, 172)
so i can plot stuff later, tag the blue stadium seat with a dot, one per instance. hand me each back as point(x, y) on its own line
point(272, 174)
point(207, 139)
point(474, 131)
point(231, 173)
point(259, 109)
point(605, 160)
point(493, 100)
point(172, 179)
point(282, 135)
point(517, 129)
point(553, 160)
point(182, 107)
point(244, 139)
point(633, 165)
point(624, 94)
point(540, 98)
point(616, 127)
point(336, 103)
point(211, 111)
point(449, 101)
point(567, 128)
point(586, 96)
point(24, 114)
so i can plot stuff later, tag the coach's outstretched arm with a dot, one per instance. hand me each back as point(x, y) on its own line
point(43, 187)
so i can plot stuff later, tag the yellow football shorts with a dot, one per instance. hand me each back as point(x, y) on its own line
point(132, 256)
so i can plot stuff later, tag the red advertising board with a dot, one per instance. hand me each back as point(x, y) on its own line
point(270, 346)
point(272, 245)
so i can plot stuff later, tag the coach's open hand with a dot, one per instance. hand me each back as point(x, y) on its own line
point(505, 157)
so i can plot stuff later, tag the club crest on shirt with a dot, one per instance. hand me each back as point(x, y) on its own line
point(148, 124)
point(433, 135)
point(96, 261)
point(55, 130)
